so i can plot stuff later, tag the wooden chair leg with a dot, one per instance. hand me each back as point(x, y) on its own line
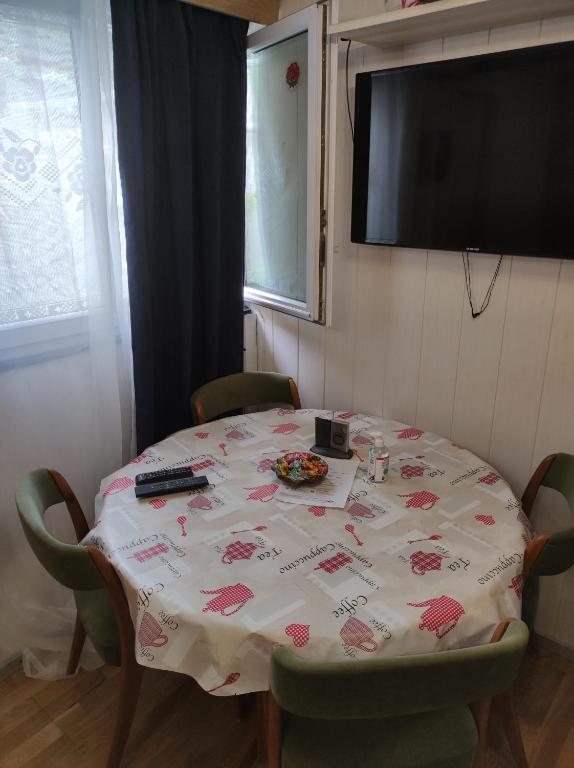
point(481, 713)
point(77, 646)
point(505, 706)
point(130, 683)
point(273, 732)
point(246, 704)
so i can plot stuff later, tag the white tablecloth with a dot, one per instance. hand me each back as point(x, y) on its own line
point(429, 560)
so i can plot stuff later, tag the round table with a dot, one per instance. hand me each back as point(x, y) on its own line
point(429, 560)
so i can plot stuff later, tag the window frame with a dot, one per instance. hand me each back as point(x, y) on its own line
point(313, 21)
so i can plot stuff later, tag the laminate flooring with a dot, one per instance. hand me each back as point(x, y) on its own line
point(67, 724)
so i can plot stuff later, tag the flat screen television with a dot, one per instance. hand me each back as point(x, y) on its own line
point(473, 154)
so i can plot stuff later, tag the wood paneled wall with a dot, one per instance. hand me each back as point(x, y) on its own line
point(403, 343)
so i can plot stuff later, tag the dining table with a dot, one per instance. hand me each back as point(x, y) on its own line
point(430, 559)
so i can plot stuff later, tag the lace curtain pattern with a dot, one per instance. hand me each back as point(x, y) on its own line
point(65, 346)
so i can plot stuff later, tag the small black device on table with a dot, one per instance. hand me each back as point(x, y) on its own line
point(332, 438)
point(170, 486)
point(176, 473)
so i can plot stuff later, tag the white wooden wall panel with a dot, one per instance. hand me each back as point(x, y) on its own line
point(440, 341)
point(311, 379)
point(403, 340)
point(405, 325)
point(530, 306)
point(479, 357)
point(370, 348)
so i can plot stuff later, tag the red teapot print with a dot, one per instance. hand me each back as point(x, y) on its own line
point(235, 434)
point(347, 415)
point(360, 510)
point(233, 596)
point(238, 550)
point(201, 465)
point(517, 585)
point(265, 464)
point(410, 433)
point(362, 440)
point(262, 492)
point(490, 479)
point(485, 519)
point(285, 429)
point(442, 614)
point(118, 485)
point(421, 562)
point(420, 499)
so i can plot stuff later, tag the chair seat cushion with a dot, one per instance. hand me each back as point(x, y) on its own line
point(442, 739)
point(97, 616)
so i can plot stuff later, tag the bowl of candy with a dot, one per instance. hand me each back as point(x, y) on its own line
point(301, 467)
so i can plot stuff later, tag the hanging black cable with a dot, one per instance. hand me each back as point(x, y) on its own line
point(347, 82)
point(467, 279)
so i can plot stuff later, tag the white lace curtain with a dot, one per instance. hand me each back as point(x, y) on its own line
point(65, 349)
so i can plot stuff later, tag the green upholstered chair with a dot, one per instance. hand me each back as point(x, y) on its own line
point(548, 554)
point(102, 609)
point(242, 390)
point(402, 712)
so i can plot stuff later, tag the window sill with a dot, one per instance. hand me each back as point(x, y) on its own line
point(278, 303)
point(35, 342)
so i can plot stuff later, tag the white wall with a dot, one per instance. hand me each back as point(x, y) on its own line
point(403, 344)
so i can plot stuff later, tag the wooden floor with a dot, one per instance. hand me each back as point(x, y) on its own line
point(67, 723)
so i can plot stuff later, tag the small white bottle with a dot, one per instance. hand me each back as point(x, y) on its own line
point(378, 469)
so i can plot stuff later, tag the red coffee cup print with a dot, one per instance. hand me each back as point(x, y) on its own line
point(334, 563)
point(234, 596)
point(420, 499)
point(408, 471)
point(157, 503)
point(118, 485)
point(285, 429)
point(422, 562)
point(299, 633)
point(200, 502)
point(229, 680)
point(262, 492)
point(238, 550)
point(317, 511)
point(150, 633)
point(351, 529)
point(360, 510)
point(358, 635)
point(490, 479)
point(485, 519)
point(265, 464)
point(442, 614)
point(517, 585)
point(410, 433)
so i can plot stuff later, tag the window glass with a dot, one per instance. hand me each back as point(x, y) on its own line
point(276, 183)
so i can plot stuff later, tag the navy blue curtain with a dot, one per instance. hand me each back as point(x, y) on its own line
point(180, 87)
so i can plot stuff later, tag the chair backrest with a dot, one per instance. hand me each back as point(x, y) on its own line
point(404, 685)
point(242, 390)
point(558, 553)
point(70, 564)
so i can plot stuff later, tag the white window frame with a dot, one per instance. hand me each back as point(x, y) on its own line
point(312, 21)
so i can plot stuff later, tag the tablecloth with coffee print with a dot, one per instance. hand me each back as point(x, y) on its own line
point(429, 560)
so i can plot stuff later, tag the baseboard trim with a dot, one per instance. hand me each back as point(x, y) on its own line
point(10, 665)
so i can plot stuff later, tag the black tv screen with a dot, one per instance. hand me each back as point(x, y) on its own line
point(473, 154)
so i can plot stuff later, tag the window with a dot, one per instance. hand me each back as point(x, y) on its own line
point(285, 148)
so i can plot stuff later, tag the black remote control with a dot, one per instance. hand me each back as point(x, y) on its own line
point(176, 473)
point(171, 486)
